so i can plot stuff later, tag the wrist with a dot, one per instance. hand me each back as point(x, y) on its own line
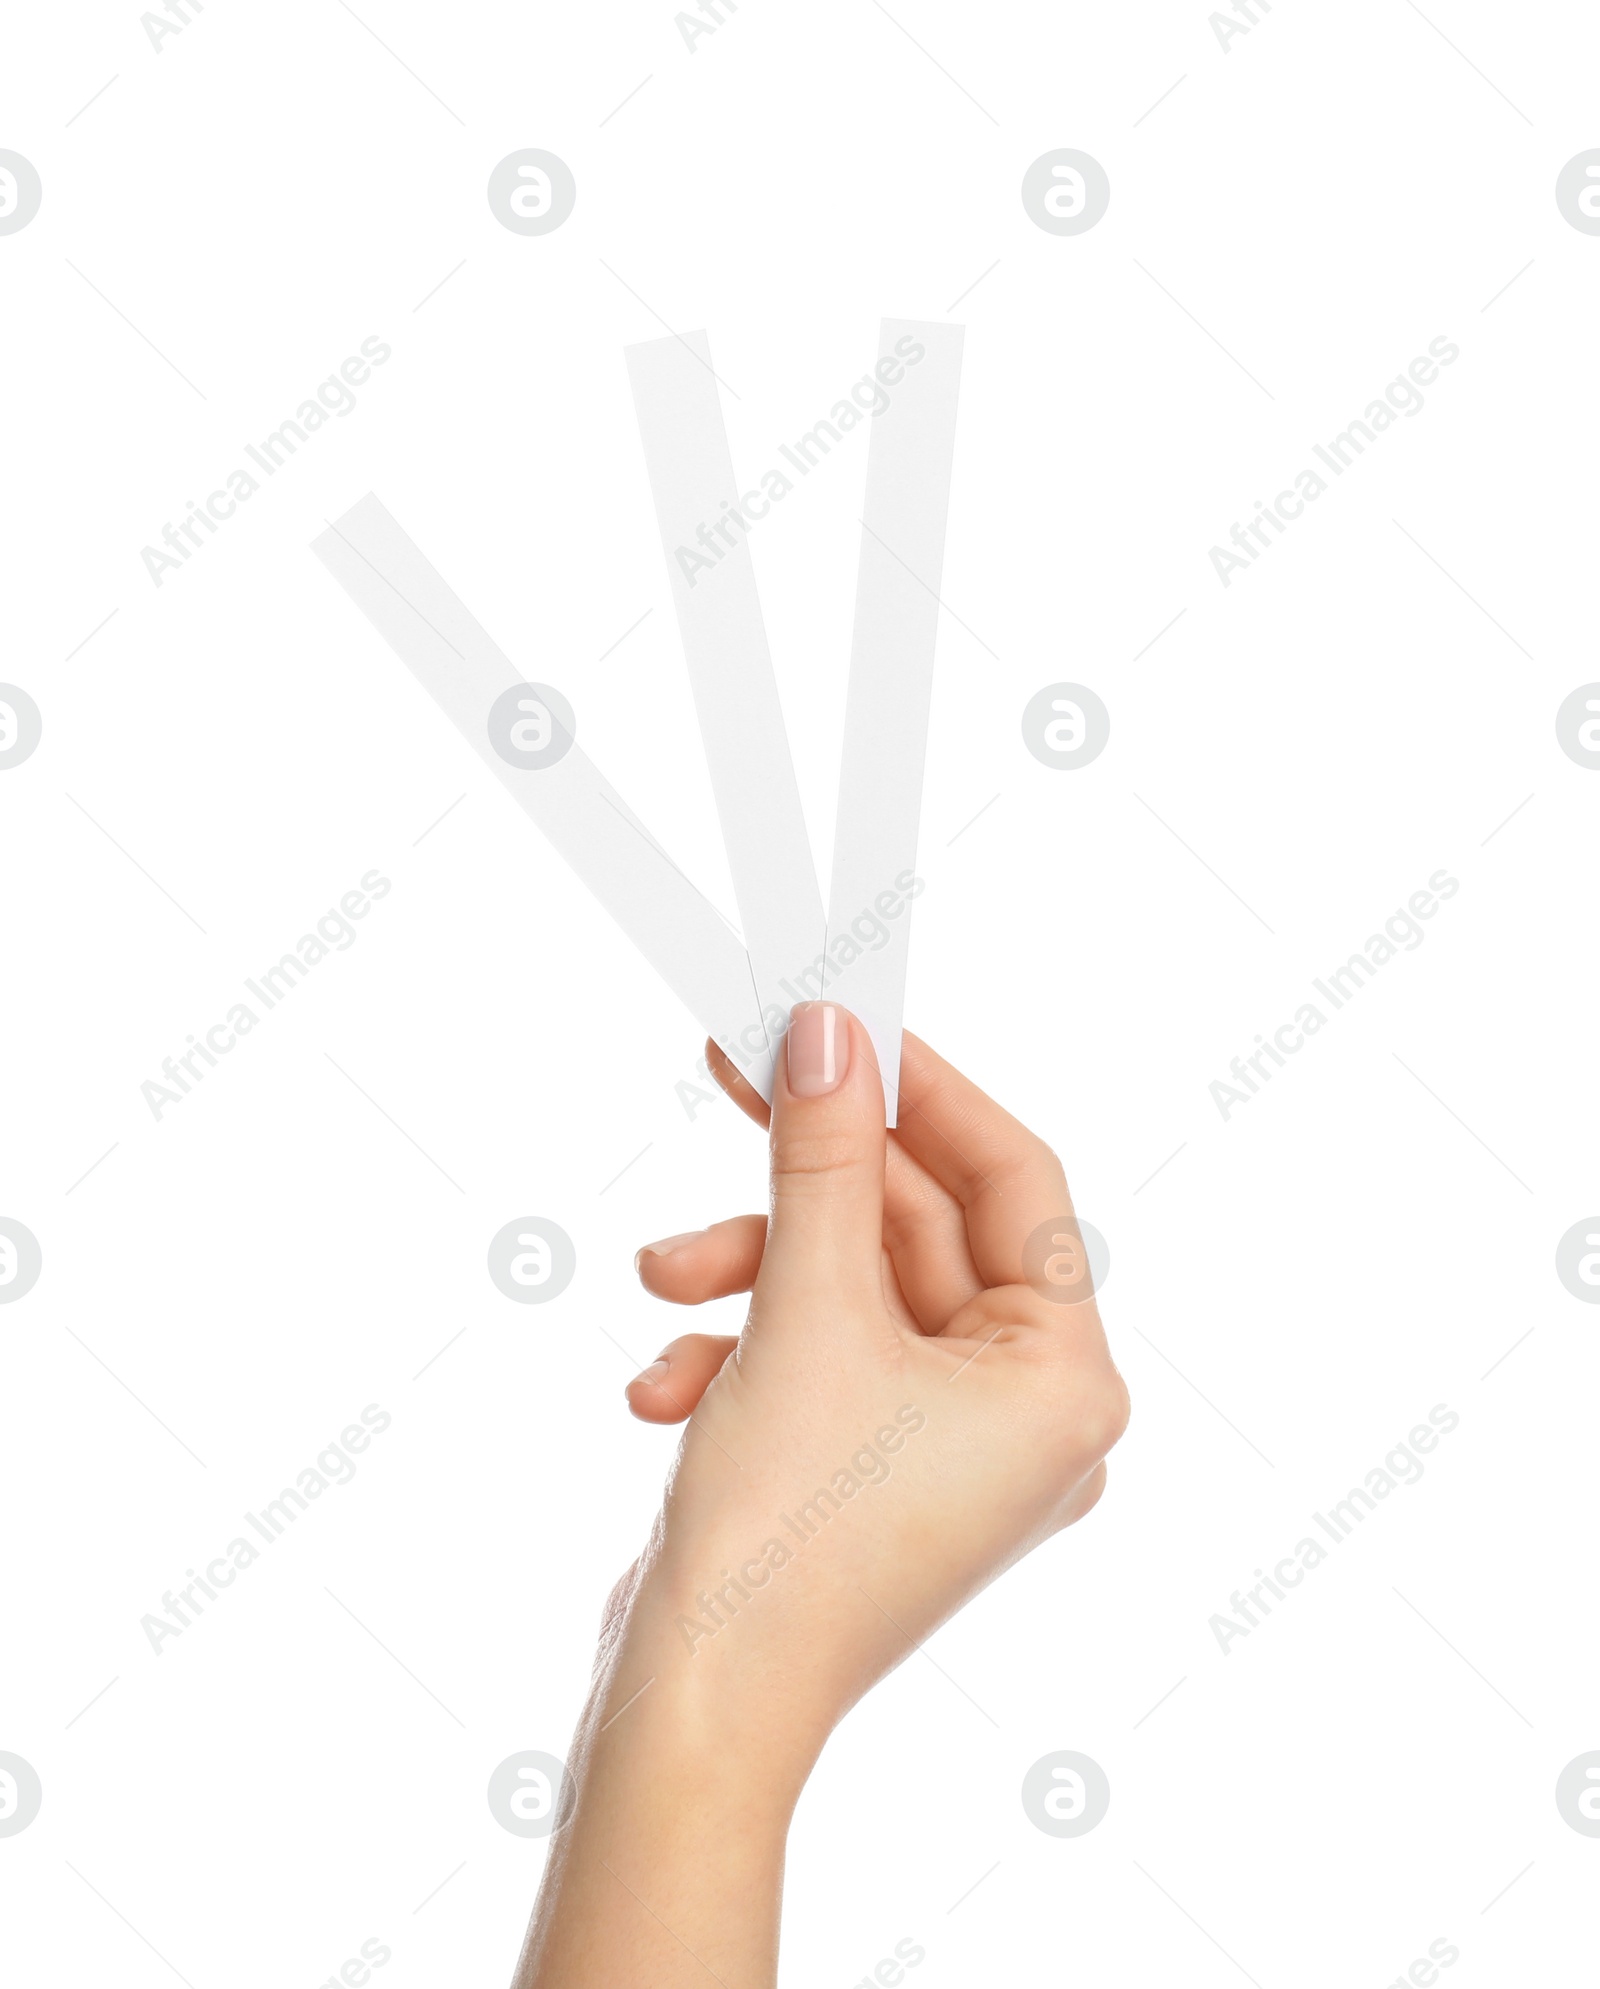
point(667, 1863)
point(701, 1715)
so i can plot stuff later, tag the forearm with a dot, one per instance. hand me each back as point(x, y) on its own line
point(669, 1870)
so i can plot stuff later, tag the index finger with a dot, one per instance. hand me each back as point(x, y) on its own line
point(1005, 1177)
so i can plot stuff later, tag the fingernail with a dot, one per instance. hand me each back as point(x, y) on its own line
point(652, 1375)
point(819, 1049)
point(666, 1246)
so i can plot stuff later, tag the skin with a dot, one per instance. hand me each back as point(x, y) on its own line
point(887, 1296)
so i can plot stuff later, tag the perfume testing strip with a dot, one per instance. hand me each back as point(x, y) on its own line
point(428, 627)
point(909, 457)
point(704, 535)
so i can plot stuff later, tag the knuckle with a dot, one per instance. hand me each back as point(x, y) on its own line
point(1028, 1163)
point(798, 1157)
point(1103, 1411)
point(1003, 1305)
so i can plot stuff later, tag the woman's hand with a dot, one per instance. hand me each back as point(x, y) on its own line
point(905, 1413)
point(922, 1392)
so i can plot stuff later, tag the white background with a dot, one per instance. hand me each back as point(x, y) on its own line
point(1371, 1768)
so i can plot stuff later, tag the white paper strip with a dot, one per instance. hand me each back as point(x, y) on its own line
point(704, 527)
point(678, 931)
point(909, 459)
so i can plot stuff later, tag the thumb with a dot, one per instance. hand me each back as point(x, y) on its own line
point(827, 1157)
